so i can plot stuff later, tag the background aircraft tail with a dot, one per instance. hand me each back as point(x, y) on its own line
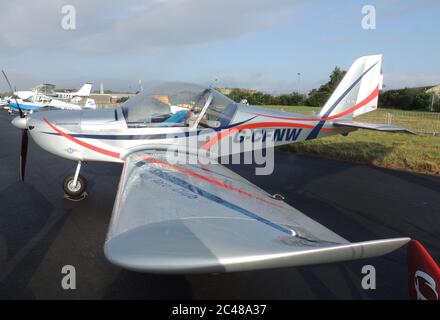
point(84, 91)
point(423, 273)
point(90, 104)
point(358, 91)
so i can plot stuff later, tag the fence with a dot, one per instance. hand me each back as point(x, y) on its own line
point(419, 122)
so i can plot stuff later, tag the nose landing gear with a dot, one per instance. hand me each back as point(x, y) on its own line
point(75, 185)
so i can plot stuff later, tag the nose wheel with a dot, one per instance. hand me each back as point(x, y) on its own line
point(74, 185)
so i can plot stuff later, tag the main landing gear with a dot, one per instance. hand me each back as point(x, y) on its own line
point(75, 185)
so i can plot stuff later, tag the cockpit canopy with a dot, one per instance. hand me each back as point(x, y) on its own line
point(178, 104)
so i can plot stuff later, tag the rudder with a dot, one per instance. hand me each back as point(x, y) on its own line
point(84, 91)
point(358, 92)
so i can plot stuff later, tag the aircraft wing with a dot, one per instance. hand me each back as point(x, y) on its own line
point(44, 88)
point(185, 218)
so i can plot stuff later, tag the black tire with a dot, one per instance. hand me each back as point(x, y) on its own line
point(72, 191)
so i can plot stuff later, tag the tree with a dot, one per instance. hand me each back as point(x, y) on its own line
point(260, 98)
point(406, 99)
point(122, 99)
point(318, 97)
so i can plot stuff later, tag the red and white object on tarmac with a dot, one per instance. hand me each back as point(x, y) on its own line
point(423, 273)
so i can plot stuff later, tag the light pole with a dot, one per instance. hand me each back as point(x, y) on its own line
point(299, 82)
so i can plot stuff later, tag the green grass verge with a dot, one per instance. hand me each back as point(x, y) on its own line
point(420, 153)
point(389, 150)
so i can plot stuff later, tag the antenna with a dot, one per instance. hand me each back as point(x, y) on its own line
point(214, 83)
point(140, 86)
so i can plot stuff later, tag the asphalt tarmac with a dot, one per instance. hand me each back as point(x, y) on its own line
point(40, 231)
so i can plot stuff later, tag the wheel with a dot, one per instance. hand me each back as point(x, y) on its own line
point(74, 190)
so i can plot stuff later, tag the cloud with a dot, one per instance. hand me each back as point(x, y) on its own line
point(111, 26)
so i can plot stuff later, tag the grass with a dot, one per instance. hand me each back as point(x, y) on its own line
point(420, 153)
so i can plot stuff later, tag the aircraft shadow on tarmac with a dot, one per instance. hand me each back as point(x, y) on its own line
point(24, 213)
point(380, 151)
point(24, 241)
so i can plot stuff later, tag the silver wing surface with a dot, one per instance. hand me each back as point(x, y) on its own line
point(184, 218)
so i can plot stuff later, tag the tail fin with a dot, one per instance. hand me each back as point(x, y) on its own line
point(84, 91)
point(90, 104)
point(423, 273)
point(358, 91)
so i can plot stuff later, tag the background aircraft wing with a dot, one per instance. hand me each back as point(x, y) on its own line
point(45, 88)
point(182, 218)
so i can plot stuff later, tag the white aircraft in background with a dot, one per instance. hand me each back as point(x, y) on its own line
point(84, 91)
point(4, 102)
point(49, 90)
point(39, 101)
point(44, 95)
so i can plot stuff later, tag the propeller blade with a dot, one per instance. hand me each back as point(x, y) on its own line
point(23, 153)
point(15, 98)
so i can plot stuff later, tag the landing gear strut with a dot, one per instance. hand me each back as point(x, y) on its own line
point(75, 185)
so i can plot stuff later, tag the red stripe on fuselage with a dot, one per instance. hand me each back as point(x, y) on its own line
point(82, 143)
point(258, 125)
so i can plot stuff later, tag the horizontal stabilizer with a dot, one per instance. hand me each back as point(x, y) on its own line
point(371, 126)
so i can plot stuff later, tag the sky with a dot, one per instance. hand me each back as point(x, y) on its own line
point(256, 44)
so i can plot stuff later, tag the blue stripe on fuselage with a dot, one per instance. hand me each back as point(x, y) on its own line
point(146, 136)
point(24, 106)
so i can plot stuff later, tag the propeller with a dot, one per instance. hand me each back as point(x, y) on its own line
point(13, 94)
point(23, 153)
point(24, 134)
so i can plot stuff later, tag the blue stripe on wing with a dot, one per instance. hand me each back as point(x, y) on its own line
point(214, 198)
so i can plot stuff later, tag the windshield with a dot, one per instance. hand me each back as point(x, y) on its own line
point(178, 104)
point(38, 98)
point(221, 109)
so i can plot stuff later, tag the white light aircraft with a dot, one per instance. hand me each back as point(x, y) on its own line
point(44, 96)
point(40, 101)
point(49, 90)
point(173, 216)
